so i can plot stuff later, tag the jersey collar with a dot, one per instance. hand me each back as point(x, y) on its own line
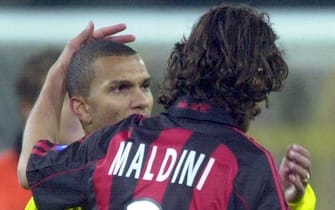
point(189, 107)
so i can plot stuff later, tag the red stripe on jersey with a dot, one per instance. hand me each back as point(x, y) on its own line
point(173, 138)
point(216, 191)
point(274, 168)
point(41, 147)
point(38, 152)
point(102, 182)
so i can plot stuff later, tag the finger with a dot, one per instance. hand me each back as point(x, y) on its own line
point(74, 44)
point(299, 159)
point(81, 38)
point(301, 150)
point(122, 38)
point(109, 30)
point(298, 170)
point(299, 186)
point(284, 168)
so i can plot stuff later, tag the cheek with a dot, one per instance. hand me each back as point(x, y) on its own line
point(110, 111)
point(114, 114)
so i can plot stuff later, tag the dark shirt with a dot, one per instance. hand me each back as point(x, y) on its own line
point(190, 157)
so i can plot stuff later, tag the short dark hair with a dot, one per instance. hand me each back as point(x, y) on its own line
point(229, 59)
point(32, 74)
point(80, 72)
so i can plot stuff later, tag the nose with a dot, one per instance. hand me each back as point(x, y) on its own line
point(141, 99)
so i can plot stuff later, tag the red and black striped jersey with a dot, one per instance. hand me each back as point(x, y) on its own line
point(191, 157)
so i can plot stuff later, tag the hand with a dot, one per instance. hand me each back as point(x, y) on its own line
point(89, 34)
point(295, 172)
point(110, 31)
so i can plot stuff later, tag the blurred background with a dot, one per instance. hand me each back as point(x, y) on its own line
point(302, 113)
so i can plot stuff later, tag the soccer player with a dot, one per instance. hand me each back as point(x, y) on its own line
point(189, 120)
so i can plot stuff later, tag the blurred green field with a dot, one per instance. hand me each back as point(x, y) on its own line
point(319, 140)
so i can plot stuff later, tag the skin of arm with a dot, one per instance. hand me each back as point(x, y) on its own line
point(48, 105)
point(50, 101)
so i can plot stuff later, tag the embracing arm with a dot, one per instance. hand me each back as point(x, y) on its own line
point(48, 106)
point(44, 119)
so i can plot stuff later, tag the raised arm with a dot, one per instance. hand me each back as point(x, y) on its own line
point(44, 119)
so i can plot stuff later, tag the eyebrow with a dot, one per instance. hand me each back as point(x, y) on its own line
point(115, 82)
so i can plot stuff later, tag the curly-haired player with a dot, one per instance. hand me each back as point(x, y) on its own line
point(193, 156)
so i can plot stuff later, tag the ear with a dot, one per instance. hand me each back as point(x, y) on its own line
point(81, 109)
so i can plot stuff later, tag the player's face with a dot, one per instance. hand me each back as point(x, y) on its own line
point(120, 88)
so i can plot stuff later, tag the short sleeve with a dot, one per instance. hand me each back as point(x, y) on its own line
point(308, 202)
point(57, 177)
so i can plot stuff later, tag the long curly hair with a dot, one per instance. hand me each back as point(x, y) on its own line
point(229, 59)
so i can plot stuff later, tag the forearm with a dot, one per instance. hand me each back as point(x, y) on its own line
point(44, 119)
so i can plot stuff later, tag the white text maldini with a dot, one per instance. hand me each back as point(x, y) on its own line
point(181, 170)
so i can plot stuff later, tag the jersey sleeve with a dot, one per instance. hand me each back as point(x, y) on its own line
point(257, 185)
point(56, 176)
point(308, 202)
point(272, 196)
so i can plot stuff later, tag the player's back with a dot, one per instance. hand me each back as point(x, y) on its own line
point(186, 158)
point(191, 157)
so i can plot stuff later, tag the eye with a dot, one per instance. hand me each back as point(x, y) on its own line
point(146, 85)
point(123, 87)
point(119, 88)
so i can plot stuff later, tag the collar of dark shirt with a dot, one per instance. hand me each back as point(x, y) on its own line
point(189, 107)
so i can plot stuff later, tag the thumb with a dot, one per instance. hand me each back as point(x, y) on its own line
point(81, 38)
point(74, 44)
